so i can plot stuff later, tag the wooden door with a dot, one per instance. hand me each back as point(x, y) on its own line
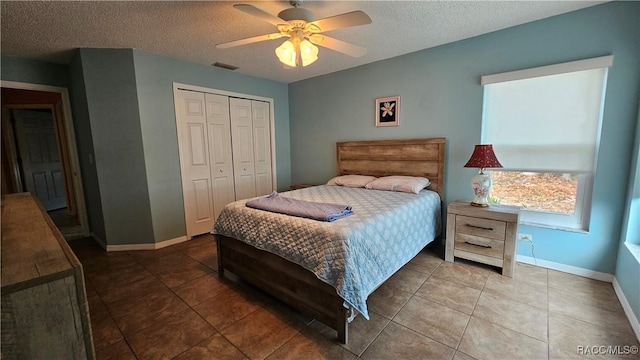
point(220, 153)
point(191, 121)
point(242, 145)
point(39, 157)
point(262, 147)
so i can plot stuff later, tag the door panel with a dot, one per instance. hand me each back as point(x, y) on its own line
point(40, 158)
point(262, 147)
point(219, 124)
point(194, 156)
point(242, 145)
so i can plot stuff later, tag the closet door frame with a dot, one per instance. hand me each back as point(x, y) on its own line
point(180, 86)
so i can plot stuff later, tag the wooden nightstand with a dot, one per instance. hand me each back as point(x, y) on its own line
point(486, 235)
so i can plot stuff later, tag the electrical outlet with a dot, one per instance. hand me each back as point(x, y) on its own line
point(525, 237)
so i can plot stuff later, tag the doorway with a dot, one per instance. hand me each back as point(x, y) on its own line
point(39, 153)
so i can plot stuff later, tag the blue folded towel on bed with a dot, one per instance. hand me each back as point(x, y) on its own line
point(307, 209)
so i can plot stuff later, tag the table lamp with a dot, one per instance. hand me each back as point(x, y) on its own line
point(483, 157)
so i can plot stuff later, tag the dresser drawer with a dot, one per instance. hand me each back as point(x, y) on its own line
point(486, 228)
point(479, 245)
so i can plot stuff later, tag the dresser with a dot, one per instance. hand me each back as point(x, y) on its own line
point(45, 314)
point(483, 234)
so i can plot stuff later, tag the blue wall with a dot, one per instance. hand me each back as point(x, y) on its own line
point(628, 265)
point(84, 143)
point(34, 72)
point(155, 76)
point(112, 102)
point(441, 96)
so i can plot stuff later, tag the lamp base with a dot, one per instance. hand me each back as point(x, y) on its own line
point(481, 185)
point(478, 205)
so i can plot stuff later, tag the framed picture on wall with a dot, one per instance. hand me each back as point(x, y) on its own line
point(388, 111)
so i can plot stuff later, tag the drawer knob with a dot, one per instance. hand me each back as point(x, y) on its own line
point(480, 227)
point(483, 246)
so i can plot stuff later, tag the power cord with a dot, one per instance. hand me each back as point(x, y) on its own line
point(527, 239)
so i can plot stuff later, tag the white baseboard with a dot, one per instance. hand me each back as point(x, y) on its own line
point(566, 268)
point(153, 246)
point(635, 324)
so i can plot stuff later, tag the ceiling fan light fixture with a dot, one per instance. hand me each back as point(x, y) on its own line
point(302, 55)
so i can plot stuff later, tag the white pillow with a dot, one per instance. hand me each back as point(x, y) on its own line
point(351, 180)
point(410, 184)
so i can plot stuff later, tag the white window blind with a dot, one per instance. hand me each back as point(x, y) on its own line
point(546, 119)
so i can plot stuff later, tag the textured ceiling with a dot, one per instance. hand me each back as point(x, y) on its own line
point(50, 30)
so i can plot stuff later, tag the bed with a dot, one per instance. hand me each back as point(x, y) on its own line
point(256, 246)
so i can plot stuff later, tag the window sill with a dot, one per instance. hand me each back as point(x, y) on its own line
point(634, 249)
point(554, 227)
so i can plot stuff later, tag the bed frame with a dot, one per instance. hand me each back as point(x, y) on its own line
point(299, 287)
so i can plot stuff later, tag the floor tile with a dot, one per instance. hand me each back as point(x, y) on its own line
point(169, 337)
point(226, 307)
point(570, 282)
point(215, 347)
point(162, 263)
point(463, 273)
point(462, 356)
point(614, 320)
point(602, 296)
point(179, 274)
point(117, 351)
point(407, 280)
point(200, 289)
point(514, 315)
point(425, 262)
point(436, 321)
point(135, 314)
point(107, 261)
point(104, 330)
point(531, 274)
point(260, 334)
point(202, 251)
point(387, 300)
point(509, 315)
point(312, 345)
point(104, 280)
point(117, 292)
point(397, 342)
point(143, 256)
point(455, 296)
point(513, 288)
point(486, 341)
point(196, 241)
point(362, 332)
point(567, 343)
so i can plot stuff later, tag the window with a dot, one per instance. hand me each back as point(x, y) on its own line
point(544, 124)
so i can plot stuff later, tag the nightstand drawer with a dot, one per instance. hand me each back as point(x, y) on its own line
point(486, 228)
point(480, 245)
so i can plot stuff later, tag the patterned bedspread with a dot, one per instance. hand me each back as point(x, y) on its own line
point(354, 254)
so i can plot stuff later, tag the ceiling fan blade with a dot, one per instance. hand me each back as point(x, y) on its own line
point(250, 40)
point(337, 45)
point(257, 12)
point(349, 19)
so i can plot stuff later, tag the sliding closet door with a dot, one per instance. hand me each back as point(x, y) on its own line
point(194, 161)
point(242, 144)
point(221, 160)
point(262, 147)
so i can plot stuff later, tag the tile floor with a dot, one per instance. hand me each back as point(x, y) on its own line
point(171, 304)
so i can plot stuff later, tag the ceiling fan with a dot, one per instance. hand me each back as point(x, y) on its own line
point(303, 31)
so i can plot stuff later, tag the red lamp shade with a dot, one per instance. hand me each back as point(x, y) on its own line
point(483, 157)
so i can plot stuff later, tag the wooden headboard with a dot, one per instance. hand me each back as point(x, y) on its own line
point(411, 157)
